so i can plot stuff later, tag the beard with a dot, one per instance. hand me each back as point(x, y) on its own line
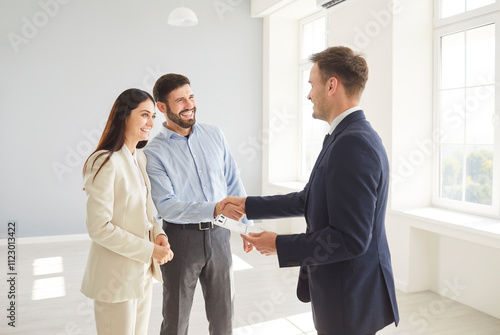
point(320, 111)
point(177, 119)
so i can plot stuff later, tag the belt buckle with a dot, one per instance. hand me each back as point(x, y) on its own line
point(209, 227)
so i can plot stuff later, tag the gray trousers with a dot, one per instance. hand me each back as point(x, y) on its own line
point(203, 255)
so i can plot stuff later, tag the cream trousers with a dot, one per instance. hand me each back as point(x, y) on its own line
point(129, 317)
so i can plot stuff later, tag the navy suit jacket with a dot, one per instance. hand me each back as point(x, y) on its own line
point(345, 262)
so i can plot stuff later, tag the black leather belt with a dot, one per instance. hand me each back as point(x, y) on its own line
point(190, 226)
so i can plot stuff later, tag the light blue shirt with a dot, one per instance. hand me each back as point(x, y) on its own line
point(190, 175)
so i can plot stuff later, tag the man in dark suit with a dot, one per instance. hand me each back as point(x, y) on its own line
point(346, 270)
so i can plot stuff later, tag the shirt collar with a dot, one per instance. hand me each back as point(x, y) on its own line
point(342, 116)
point(172, 134)
point(132, 157)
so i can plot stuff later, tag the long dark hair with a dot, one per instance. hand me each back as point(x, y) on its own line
point(113, 136)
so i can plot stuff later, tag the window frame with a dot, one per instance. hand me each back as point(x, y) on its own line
point(474, 13)
point(443, 27)
point(305, 64)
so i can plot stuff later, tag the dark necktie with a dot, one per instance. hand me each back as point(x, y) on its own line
point(326, 137)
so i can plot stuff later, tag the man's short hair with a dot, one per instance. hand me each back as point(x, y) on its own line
point(345, 65)
point(166, 84)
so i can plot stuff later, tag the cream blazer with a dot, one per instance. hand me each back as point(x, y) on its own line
point(122, 246)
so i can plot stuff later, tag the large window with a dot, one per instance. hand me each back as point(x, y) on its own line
point(312, 39)
point(468, 153)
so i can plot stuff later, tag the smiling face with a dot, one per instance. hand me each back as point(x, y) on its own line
point(181, 108)
point(139, 123)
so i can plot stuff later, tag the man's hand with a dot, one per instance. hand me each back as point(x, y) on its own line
point(264, 242)
point(230, 210)
point(247, 247)
point(237, 201)
point(162, 252)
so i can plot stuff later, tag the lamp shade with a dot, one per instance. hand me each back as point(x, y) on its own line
point(182, 16)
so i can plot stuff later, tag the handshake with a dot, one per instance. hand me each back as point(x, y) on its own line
point(231, 207)
point(234, 208)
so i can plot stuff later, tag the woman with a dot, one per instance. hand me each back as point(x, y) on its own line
point(128, 245)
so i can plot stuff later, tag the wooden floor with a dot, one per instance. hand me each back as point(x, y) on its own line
point(49, 301)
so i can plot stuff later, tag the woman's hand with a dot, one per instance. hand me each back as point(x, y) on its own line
point(162, 252)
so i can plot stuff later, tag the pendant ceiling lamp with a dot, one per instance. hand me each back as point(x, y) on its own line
point(182, 17)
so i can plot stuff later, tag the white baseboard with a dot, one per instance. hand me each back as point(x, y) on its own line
point(48, 239)
point(401, 286)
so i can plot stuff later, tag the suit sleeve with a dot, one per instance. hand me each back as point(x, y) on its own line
point(100, 226)
point(352, 178)
point(157, 230)
point(276, 206)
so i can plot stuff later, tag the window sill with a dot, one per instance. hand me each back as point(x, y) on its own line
point(478, 229)
point(472, 228)
point(287, 186)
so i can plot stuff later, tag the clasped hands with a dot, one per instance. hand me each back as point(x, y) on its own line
point(162, 252)
point(234, 208)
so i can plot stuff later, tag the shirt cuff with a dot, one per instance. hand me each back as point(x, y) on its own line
point(151, 246)
point(207, 211)
point(246, 221)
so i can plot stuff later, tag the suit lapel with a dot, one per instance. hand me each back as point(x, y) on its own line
point(127, 161)
point(132, 175)
point(142, 167)
point(339, 129)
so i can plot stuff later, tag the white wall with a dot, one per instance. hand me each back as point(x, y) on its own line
point(366, 26)
point(412, 104)
point(69, 62)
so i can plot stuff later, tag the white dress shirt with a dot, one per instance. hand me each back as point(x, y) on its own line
point(342, 116)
